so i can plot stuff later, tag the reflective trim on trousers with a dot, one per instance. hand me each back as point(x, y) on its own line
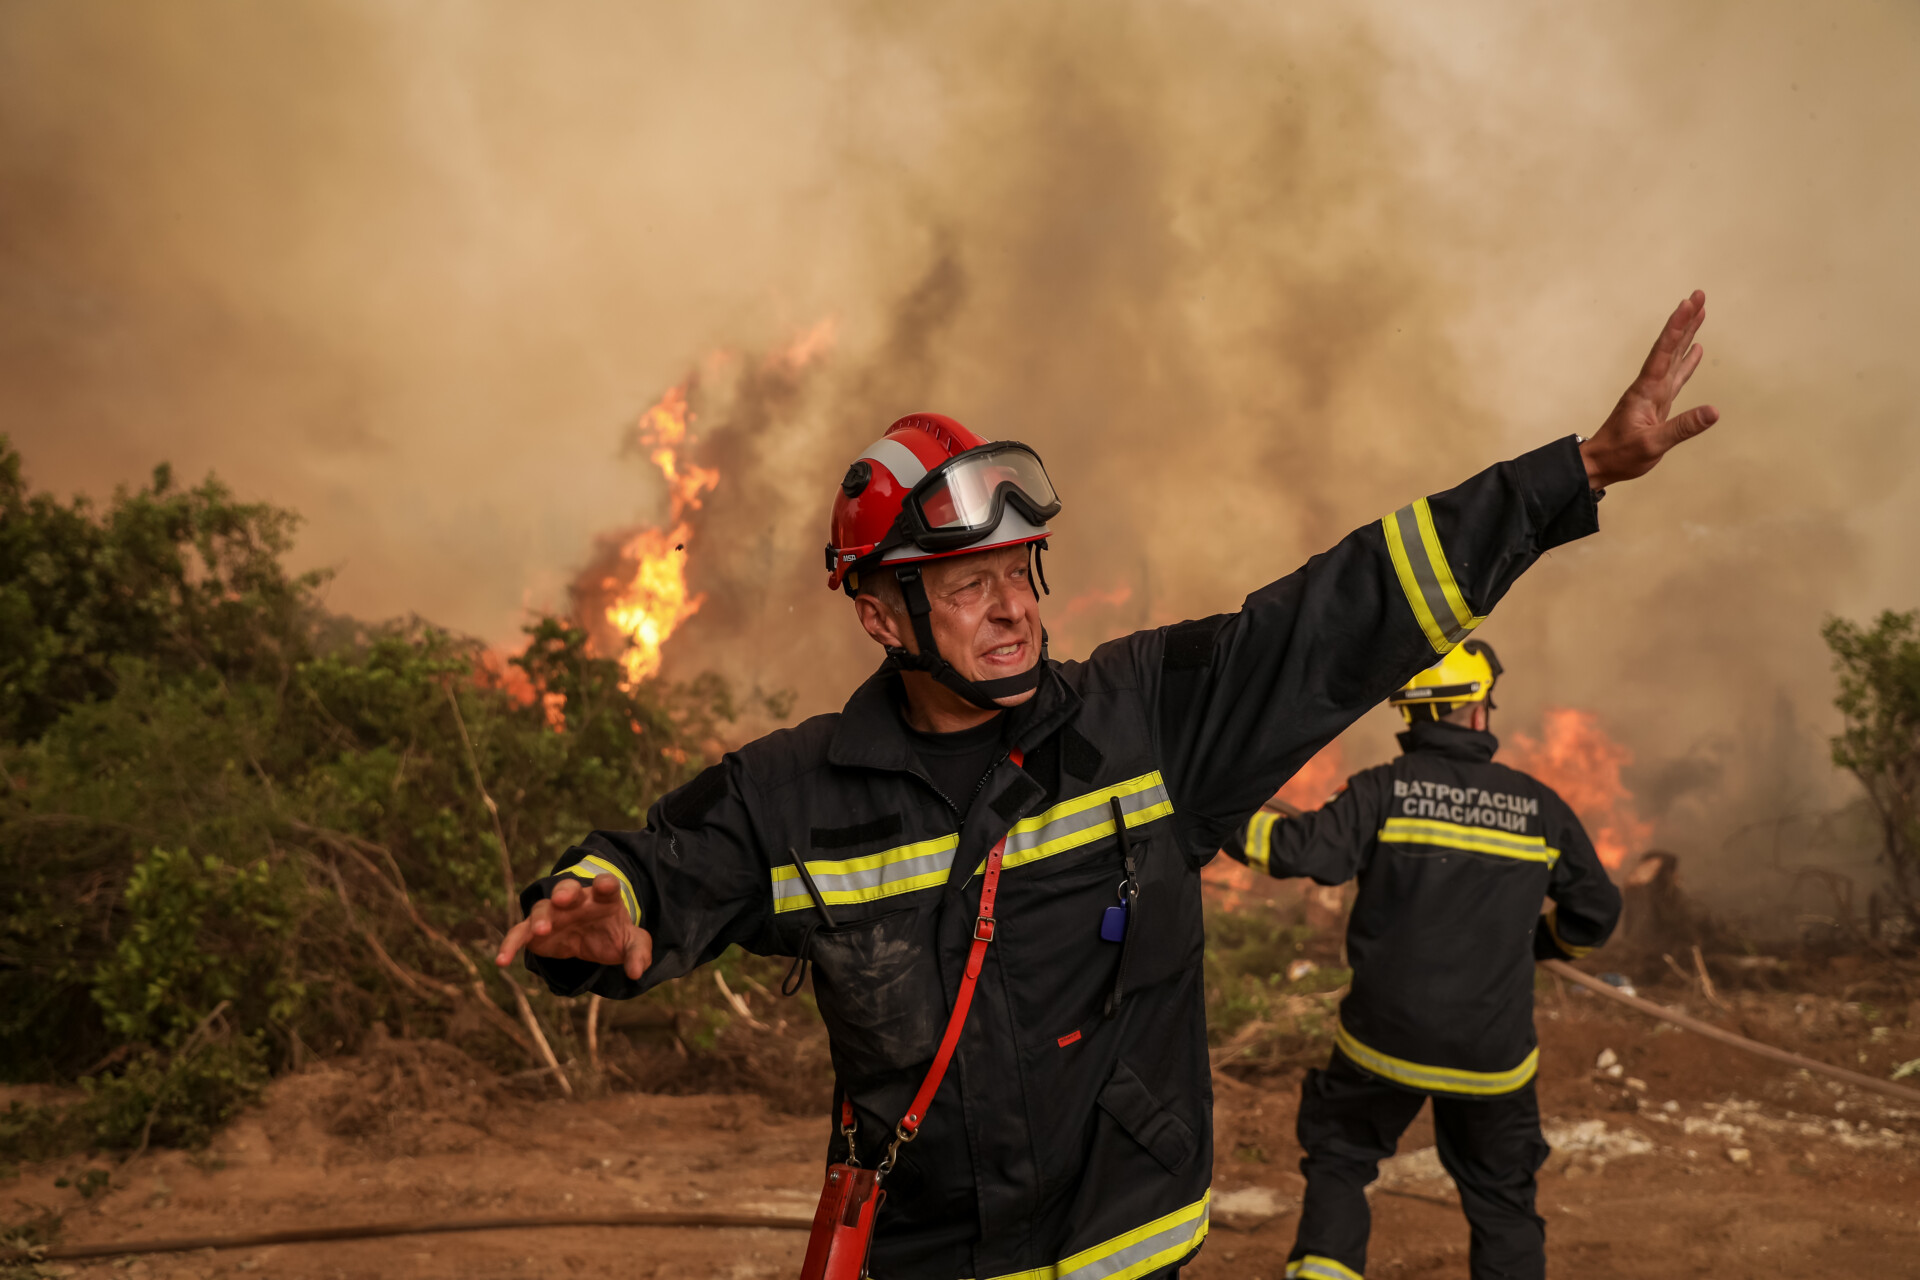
point(1429, 1079)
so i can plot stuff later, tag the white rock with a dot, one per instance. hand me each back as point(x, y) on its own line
point(1606, 1059)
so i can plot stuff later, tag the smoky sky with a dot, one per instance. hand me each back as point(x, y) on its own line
point(1246, 277)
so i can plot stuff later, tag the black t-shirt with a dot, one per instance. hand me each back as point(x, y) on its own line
point(957, 761)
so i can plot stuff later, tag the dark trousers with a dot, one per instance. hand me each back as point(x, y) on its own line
point(1350, 1121)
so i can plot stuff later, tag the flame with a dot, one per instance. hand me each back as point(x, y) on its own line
point(1317, 780)
point(648, 600)
point(494, 671)
point(1577, 759)
point(1311, 787)
point(1111, 598)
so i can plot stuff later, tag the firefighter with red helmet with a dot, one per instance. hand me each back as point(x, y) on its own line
point(990, 858)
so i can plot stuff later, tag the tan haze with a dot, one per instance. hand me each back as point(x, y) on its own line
point(1247, 278)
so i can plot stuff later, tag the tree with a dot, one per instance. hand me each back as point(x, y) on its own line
point(1879, 670)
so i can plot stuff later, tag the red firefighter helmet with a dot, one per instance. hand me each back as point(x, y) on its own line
point(930, 488)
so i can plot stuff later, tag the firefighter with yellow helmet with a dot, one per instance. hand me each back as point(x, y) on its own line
point(1453, 854)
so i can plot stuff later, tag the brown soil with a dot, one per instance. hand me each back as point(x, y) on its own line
point(1829, 1184)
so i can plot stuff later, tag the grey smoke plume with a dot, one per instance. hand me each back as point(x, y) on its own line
point(1248, 278)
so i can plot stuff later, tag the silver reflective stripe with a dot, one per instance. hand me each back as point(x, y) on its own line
point(897, 458)
point(1085, 819)
point(1143, 1250)
point(1407, 523)
point(924, 864)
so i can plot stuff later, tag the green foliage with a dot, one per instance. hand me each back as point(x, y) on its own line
point(235, 830)
point(190, 579)
point(174, 1100)
point(1879, 671)
point(199, 934)
point(1254, 1010)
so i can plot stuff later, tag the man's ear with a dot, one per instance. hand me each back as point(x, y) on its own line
point(881, 624)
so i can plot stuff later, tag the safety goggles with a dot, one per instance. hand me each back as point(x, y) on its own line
point(963, 499)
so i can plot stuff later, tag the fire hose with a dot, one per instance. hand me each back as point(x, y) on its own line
point(421, 1227)
point(1711, 1032)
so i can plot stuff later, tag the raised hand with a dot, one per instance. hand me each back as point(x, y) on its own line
point(581, 922)
point(1638, 433)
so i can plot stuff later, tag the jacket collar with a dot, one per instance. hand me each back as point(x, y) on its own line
point(872, 735)
point(1456, 742)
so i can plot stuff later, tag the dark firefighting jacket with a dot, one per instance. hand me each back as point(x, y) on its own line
point(1454, 855)
point(1074, 1130)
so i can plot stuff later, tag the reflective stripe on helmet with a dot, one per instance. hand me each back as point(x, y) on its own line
point(907, 470)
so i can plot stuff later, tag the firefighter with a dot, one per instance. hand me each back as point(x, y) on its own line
point(1073, 1134)
point(1454, 855)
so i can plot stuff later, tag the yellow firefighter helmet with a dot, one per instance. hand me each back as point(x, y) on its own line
point(1465, 675)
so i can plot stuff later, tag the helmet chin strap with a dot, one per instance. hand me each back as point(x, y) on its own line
point(981, 693)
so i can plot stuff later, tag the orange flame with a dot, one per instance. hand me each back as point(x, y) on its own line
point(652, 600)
point(493, 671)
point(1578, 760)
point(1311, 787)
point(1086, 600)
point(1318, 779)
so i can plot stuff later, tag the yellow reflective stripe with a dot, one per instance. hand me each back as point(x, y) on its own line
point(1420, 562)
point(1314, 1266)
point(924, 864)
point(1259, 839)
point(1417, 1075)
point(1145, 1249)
point(1437, 558)
point(602, 867)
point(1411, 586)
point(1552, 919)
point(1452, 835)
point(1083, 820)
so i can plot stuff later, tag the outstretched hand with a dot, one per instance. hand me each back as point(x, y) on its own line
point(581, 922)
point(1638, 433)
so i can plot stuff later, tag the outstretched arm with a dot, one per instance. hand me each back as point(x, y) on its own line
point(1244, 699)
point(1328, 844)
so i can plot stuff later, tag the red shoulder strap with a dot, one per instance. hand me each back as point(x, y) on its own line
point(963, 999)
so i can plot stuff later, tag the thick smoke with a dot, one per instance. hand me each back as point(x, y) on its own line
point(1246, 278)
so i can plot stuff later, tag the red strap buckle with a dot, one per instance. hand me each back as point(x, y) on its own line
point(983, 929)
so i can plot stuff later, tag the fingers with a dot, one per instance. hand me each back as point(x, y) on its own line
point(510, 945)
point(639, 954)
point(606, 889)
point(1693, 422)
point(1677, 380)
point(1675, 335)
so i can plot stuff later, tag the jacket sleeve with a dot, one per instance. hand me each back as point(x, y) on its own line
point(695, 878)
point(1331, 844)
point(1244, 699)
point(1586, 904)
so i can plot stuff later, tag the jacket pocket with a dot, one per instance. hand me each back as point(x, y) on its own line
point(1166, 1137)
point(878, 986)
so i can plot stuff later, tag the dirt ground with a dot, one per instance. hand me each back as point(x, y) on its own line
point(1692, 1160)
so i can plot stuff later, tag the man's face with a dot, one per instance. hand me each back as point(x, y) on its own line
point(986, 618)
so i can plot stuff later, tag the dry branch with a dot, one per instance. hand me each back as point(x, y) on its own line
point(513, 897)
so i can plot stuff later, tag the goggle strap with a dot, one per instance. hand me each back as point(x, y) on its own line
point(981, 693)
